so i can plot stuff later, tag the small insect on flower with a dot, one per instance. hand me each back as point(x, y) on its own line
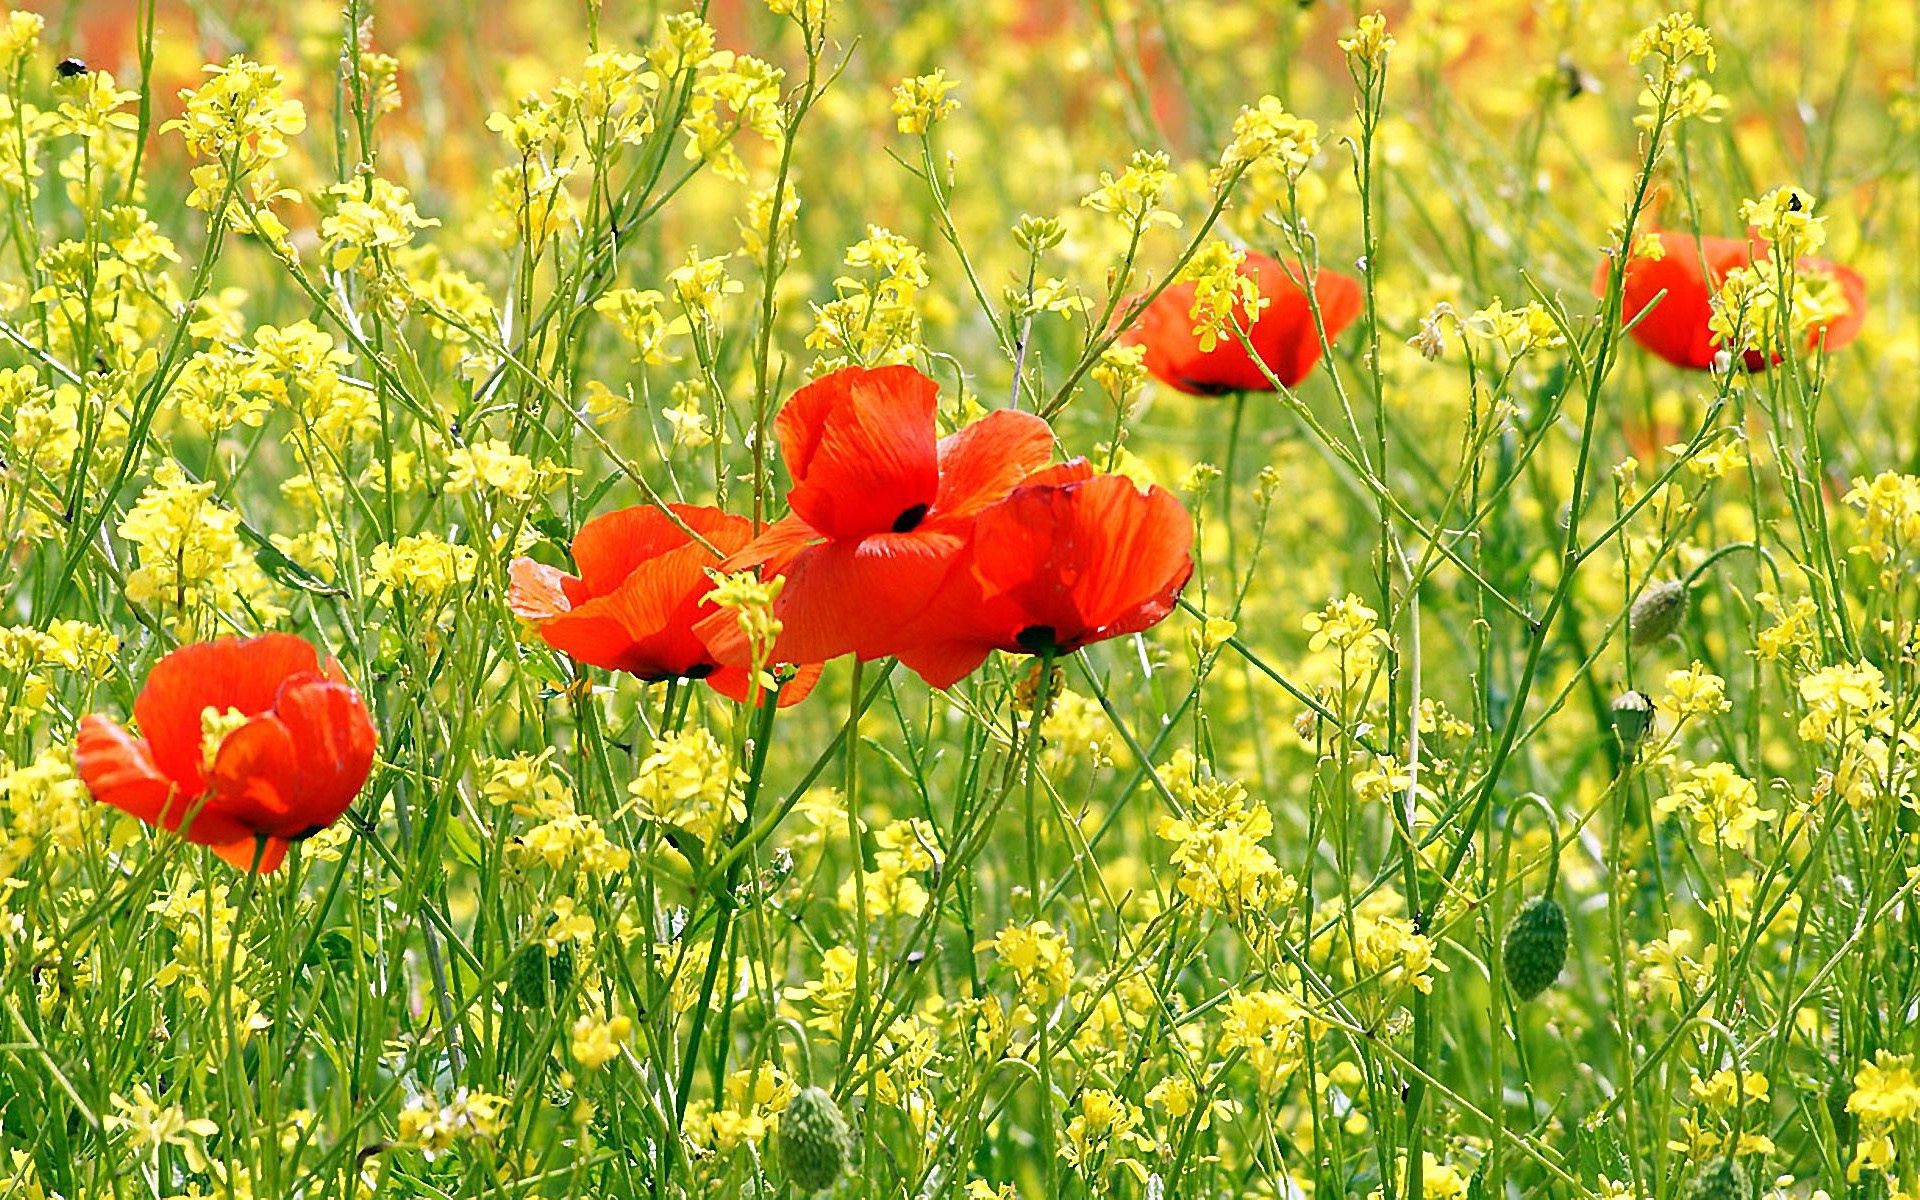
point(642, 588)
point(248, 744)
point(1280, 328)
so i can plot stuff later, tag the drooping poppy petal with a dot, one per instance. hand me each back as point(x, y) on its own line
point(860, 445)
point(1284, 334)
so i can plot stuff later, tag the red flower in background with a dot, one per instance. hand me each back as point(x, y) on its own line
point(1068, 559)
point(1690, 272)
point(1283, 335)
point(247, 744)
point(641, 589)
point(882, 509)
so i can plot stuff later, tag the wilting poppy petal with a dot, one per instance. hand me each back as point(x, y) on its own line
point(536, 591)
point(860, 446)
point(1284, 335)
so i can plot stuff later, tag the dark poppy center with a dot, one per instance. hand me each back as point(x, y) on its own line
point(910, 519)
point(698, 671)
point(1207, 387)
point(1036, 639)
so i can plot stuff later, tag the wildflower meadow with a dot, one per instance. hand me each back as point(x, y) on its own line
point(960, 598)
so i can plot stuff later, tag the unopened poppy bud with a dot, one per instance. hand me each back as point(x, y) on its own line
point(1721, 1178)
point(814, 1140)
point(1632, 715)
point(1535, 948)
point(1657, 613)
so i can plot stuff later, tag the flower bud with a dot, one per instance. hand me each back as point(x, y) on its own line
point(814, 1140)
point(1535, 949)
point(1632, 715)
point(1657, 612)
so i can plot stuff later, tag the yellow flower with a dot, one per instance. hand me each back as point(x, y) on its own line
point(1039, 957)
point(1694, 692)
point(1369, 42)
point(1134, 195)
point(689, 781)
point(595, 1043)
point(921, 100)
point(1723, 804)
point(1886, 1091)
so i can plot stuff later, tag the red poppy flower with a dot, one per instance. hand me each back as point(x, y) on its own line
point(1069, 559)
point(641, 589)
point(1283, 335)
point(881, 508)
point(1690, 272)
point(298, 745)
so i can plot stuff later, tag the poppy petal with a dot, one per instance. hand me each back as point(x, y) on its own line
point(1090, 561)
point(1844, 328)
point(226, 673)
point(944, 663)
point(263, 855)
point(118, 769)
point(860, 446)
point(536, 591)
point(984, 461)
point(1283, 334)
point(645, 625)
point(256, 775)
point(609, 547)
point(734, 683)
point(856, 598)
point(334, 743)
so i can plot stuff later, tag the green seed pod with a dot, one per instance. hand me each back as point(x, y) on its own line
point(814, 1140)
point(1657, 613)
point(1721, 1178)
point(1535, 948)
point(1632, 715)
point(529, 976)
